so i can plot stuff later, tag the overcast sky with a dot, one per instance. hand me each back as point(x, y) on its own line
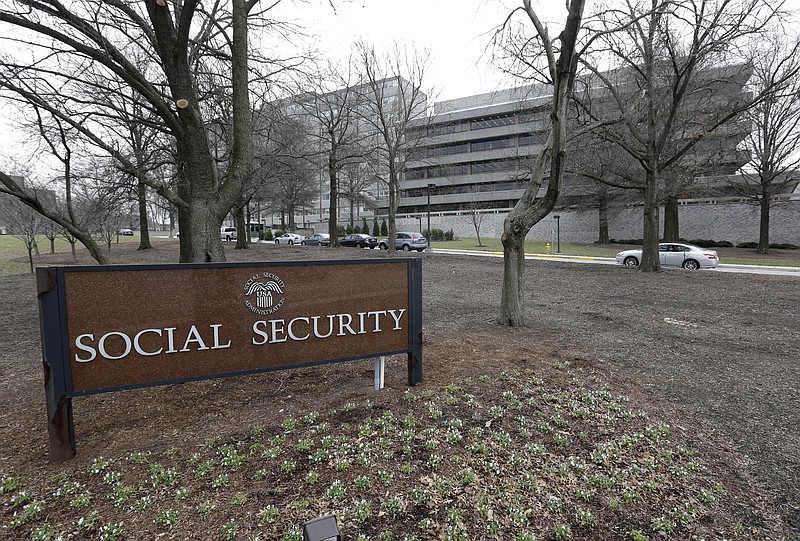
point(456, 32)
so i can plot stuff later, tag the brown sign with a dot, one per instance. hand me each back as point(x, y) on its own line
point(134, 326)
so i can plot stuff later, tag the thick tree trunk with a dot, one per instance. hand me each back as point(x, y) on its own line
point(144, 227)
point(671, 229)
point(332, 203)
point(650, 261)
point(512, 303)
point(242, 230)
point(763, 228)
point(602, 218)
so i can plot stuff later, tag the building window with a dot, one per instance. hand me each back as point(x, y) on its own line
point(492, 122)
point(536, 138)
point(491, 144)
point(449, 150)
point(492, 166)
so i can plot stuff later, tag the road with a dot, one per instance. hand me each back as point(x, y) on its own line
point(723, 267)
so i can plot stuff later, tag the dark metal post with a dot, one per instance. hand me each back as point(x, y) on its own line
point(558, 232)
point(430, 233)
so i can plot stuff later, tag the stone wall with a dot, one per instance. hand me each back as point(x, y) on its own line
point(725, 221)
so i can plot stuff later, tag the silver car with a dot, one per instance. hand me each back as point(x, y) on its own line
point(406, 241)
point(317, 239)
point(289, 238)
point(674, 254)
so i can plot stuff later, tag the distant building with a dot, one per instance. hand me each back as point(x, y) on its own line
point(477, 152)
point(362, 186)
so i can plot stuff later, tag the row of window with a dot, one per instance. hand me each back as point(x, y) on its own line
point(466, 188)
point(475, 168)
point(513, 141)
point(481, 123)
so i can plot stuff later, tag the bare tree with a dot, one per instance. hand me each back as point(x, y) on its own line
point(25, 224)
point(675, 81)
point(475, 215)
point(559, 71)
point(395, 100)
point(93, 46)
point(330, 113)
point(775, 136)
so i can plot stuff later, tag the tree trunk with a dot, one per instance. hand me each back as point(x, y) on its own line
point(332, 218)
point(650, 261)
point(763, 227)
point(393, 203)
point(602, 218)
point(144, 226)
point(671, 230)
point(242, 230)
point(512, 304)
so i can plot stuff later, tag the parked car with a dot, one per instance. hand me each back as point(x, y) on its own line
point(359, 240)
point(289, 238)
point(317, 239)
point(126, 232)
point(227, 233)
point(406, 241)
point(673, 254)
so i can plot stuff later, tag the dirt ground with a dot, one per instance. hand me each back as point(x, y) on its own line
point(713, 353)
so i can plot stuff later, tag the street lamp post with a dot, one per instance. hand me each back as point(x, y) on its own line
point(430, 233)
point(558, 232)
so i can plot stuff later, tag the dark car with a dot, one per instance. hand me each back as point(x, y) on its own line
point(359, 240)
point(317, 239)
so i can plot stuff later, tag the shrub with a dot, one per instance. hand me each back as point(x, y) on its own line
point(384, 228)
point(376, 230)
point(449, 235)
point(708, 243)
point(365, 227)
point(626, 241)
point(752, 245)
point(268, 235)
point(340, 232)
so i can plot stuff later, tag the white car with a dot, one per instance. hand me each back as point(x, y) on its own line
point(289, 238)
point(674, 254)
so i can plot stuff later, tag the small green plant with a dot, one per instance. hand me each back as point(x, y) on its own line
point(638, 535)
point(268, 514)
point(220, 481)
point(166, 518)
point(10, 484)
point(84, 524)
point(112, 532)
point(562, 531)
point(206, 508)
point(99, 465)
point(81, 501)
point(229, 530)
point(336, 491)
point(662, 525)
point(42, 532)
